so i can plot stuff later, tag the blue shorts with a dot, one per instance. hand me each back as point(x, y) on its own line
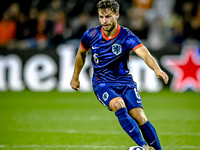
point(128, 92)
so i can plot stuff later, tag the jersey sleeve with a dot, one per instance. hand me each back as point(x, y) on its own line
point(134, 42)
point(85, 41)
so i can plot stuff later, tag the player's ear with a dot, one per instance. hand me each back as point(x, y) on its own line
point(117, 14)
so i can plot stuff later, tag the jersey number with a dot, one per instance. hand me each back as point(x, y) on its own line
point(137, 94)
point(96, 59)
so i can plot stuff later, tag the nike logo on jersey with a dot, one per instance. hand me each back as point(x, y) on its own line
point(94, 47)
point(139, 101)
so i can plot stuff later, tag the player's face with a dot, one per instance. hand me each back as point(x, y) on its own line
point(108, 19)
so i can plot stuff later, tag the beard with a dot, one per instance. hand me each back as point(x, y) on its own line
point(109, 28)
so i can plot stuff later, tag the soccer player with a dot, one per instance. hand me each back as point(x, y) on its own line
point(111, 44)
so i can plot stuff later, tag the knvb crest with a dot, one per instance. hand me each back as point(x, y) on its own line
point(116, 49)
point(105, 96)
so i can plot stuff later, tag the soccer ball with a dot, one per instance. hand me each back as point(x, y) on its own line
point(136, 148)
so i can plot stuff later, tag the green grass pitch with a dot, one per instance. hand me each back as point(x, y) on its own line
point(73, 121)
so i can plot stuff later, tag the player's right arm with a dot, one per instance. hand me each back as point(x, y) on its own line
point(79, 63)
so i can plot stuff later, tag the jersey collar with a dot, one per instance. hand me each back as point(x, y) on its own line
point(118, 30)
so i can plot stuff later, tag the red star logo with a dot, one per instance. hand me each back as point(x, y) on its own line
point(185, 70)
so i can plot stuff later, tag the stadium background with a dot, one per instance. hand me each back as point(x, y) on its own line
point(38, 44)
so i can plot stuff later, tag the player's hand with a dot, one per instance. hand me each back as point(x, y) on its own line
point(75, 84)
point(162, 75)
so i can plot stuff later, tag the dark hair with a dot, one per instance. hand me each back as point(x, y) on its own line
point(112, 4)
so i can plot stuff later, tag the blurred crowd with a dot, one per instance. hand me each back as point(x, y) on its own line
point(160, 24)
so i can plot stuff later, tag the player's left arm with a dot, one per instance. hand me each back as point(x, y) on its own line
point(143, 53)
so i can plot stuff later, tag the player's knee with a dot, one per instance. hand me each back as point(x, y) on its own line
point(116, 104)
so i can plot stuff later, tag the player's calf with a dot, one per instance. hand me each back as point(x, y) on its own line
point(150, 135)
point(130, 126)
point(138, 115)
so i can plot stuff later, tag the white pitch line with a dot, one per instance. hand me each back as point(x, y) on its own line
point(113, 132)
point(90, 146)
point(62, 146)
point(181, 134)
point(182, 147)
point(73, 131)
